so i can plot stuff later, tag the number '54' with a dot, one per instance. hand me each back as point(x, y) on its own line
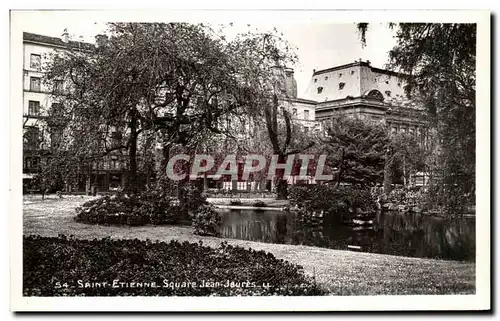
point(59, 285)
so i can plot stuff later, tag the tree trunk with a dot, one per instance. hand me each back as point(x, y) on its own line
point(282, 189)
point(281, 184)
point(132, 185)
point(388, 170)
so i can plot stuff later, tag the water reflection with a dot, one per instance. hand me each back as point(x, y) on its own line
point(391, 233)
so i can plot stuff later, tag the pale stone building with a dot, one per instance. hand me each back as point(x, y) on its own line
point(368, 92)
point(38, 99)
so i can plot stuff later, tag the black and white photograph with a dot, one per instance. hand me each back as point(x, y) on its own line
point(260, 160)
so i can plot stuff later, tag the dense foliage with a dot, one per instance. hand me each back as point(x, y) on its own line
point(148, 207)
point(440, 60)
point(357, 147)
point(206, 221)
point(334, 202)
point(259, 203)
point(58, 266)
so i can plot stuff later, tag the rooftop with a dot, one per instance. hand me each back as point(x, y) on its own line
point(55, 41)
point(359, 63)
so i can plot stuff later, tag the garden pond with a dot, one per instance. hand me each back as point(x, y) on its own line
point(391, 233)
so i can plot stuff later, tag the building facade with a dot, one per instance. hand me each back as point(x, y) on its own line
point(370, 93)
point(38, 101)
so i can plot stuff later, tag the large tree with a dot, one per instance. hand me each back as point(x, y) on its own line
point(176, 80)
point(268, 59)
point(440, 59)
point(357, 147)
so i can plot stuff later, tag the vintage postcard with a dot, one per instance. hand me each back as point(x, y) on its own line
point(250, 160)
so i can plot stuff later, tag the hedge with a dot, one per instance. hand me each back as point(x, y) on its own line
point(65, 266)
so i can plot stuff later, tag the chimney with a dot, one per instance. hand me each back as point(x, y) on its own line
point(101, 40)
point(368, 62)
point(65, 36)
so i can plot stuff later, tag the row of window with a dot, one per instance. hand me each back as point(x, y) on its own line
point(35, 84)
point(34, 108)
point(340, 76)
point(341, 86)
point(306, 113)
point(31, 162)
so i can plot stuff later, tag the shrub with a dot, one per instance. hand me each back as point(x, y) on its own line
point(61, 267)
point(191, 197)
point(333, 202)
point(236, 202)
point(259, 203)
point(206, 221)
point(149, 207)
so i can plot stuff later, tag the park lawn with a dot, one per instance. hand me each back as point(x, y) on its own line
point(338, 272)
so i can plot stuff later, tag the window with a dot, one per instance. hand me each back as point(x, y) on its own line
point(241, 186)
point(35, 61)
point(341, 85)
point(294, 111)
point(315, 80)
point(34, 83)
point(320, 90)
point(32, 137)
point(58, 85)
point(306, 114)
point(352, 72)
point(326, 78)
point(388, 93)
point(306, 129)
point(31, 162)
point(387, 82)
point(33, 107)
point(340, 75)
point(27, 162)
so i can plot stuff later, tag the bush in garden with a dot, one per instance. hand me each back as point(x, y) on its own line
point(149, 207)
point(235, 202)
point(206, 221)
point(191, 197)
point(334, 202)
point(61, 266)
point(259, 203)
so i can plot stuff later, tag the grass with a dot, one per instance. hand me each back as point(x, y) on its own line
point(338, 272)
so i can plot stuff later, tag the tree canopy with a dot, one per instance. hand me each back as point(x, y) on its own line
point(179, 81)
point(358, 147)
point(440, 60)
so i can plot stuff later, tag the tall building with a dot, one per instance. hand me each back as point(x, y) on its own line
point(38, 100)
point(302, 110)
point(370, 93)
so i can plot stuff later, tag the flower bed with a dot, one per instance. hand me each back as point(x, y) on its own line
point(71, 267)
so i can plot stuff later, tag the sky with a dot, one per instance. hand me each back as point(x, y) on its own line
point(320, 45)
